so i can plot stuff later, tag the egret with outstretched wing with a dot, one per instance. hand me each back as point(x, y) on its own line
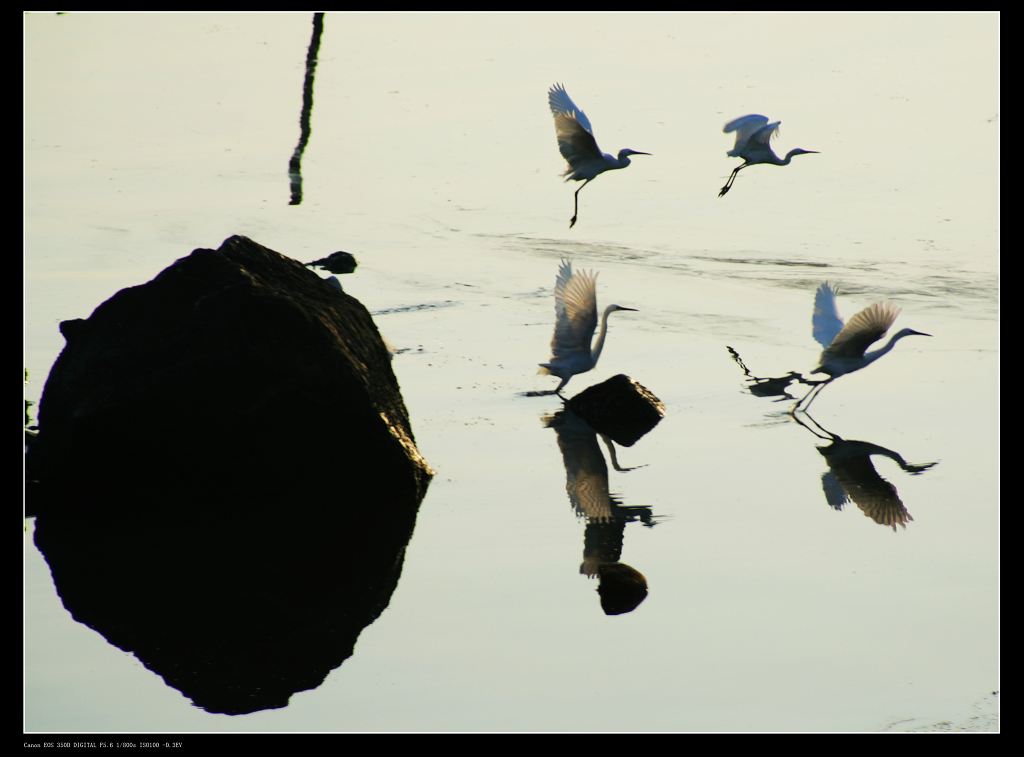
point(753, 135)
point(845, 345)
point(575, 321)
point(577, 144)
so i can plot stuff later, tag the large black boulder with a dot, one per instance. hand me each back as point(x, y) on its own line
point(225, 478)
point(235, 375)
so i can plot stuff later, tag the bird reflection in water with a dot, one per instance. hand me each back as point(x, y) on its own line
point(621, 587)
point(768, 386)
point(851, 476)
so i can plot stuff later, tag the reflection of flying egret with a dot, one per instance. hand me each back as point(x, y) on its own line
point(577, 144)
point(753, 134)
point(575, 320)
point(851, 476)
point(846, 345)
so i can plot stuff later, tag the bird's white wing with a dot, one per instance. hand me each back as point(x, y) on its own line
point(575, 311)
point(561, 282)
point(764, 135)
point(560, 102)
point(576, 144)
point(826, 321)
point(745, 127)
point(572, 128)
point(863, 329)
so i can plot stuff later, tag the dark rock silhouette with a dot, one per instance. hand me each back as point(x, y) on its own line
point(235, 372)
point(622, 588)
point(336, 262)
point(225, 476)
point(620, 408)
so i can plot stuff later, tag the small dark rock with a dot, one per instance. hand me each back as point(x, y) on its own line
point(620, 408)
point(622, 588)
point(336, 262)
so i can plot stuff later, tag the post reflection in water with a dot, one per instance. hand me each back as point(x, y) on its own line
point(621, 587)
point(851, 476)
point(768, 386)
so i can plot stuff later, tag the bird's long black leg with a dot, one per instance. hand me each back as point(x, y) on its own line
point(815, 390)
point(799, 402)
point(816, 393)
point(732, 178)
point(576, 204)
point(739, 168)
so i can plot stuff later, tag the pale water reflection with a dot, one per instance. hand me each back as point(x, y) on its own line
point(432, 158)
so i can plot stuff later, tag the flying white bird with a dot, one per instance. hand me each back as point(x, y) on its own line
point(575, 321)
point(846, 344)
point(577, 144)
point(753, 134)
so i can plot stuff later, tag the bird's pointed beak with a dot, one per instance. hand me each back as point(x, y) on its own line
point(919, 333)
point(624, 308)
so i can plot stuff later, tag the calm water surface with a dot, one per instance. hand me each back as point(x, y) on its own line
point(433, 160)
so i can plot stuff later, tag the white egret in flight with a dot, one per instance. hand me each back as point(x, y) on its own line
point(575, 321)
point(577, 144)
point(753, 134)
point(846, 345)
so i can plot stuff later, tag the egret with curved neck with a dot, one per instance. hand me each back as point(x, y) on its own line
point(753, 134)
point(575, 321)
point(846, 344)
point(579, 148)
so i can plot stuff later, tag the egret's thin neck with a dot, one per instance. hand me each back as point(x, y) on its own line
point(623, 160)
point(871, 357)
point(595, 353)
